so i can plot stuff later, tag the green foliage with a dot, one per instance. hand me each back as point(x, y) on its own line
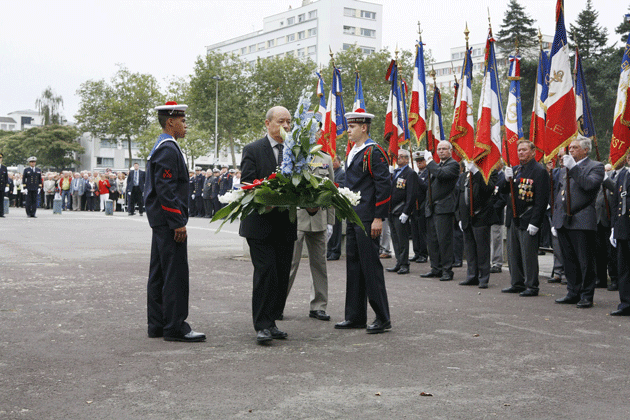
point(517, 25)
point(48, 106)
point(590, 37)
point(623, 29)
point(53, 145)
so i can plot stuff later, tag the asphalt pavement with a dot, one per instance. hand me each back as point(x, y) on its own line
point(73, 342)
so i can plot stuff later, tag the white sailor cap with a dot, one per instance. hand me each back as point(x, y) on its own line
point(418, 155)
point(224, 166)
point(172, 109)
point(216, 170)
point(232, 171)
point(32, 159)
point(359, 116)
point(197, 168)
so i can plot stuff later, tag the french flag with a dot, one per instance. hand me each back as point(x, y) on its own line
point(488, 148)
point(393, 120)
point(513, 113)
point(335, 123)
point(462, 133)
point(539, 116)
point(561, 125)
point(621, 125)
point(359, 103)
point(417, 109)
point(435, 130)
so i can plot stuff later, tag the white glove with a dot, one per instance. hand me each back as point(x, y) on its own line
point(39, 190)
point(532, 230)
point(613, 241)
point(473, 168)
point(568, 161)
point(193, 196)
point(509, 173)
point(554, 232)
point(606, 176)
point(329, 231)
point(403, 218)
point(428, 156)
point(460, 225)
point(6, 189)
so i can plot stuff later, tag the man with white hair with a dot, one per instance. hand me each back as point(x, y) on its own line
point(575, 221)
point(77, 188)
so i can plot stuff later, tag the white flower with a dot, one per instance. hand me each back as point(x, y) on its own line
point(231, 196)
point(353, 197)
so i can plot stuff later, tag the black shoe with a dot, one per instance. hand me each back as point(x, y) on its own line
point(495, 269)
point(512, 289)
point(613, 287)
point(585, 303)
point(130, 214)
point(277, 334)
point(403, 270)
point(157, 333)
point(280, 317)
point(393, 269)
point(528, 292)
point(422, 260)
point(469, 282)
point(332, 258)
point(346, 325)
point(568, 300)
point(191, 337)
point(414, 258)
point(378, 326)
point(446, 277)
point(431, 274)
point(554, 279)
point(458, 264)
point(321, 315)
point(483, 286)
point(621, 312)
point(263, 336)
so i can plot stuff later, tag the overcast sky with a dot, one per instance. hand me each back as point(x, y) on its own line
point(63, 43)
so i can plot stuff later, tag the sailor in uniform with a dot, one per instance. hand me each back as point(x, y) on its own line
point(166, 198)
point(32, 183)
point(4, 184)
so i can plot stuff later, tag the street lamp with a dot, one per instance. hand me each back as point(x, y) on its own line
point(216, 121)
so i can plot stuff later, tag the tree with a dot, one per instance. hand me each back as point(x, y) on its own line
point(590, 37)
point(623, 29)
point(53, 145)
point(48, 106)
point(122, 109)
point(517, 25)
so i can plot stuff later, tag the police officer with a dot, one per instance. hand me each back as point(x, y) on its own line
point(214, 190)
point(197, 192)
point(4, 184)
point(32, 183)
point(166, 197)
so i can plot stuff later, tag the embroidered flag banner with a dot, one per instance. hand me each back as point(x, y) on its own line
point(539, 116)
point(513, 113)
point(619, 145)
point(462, 133)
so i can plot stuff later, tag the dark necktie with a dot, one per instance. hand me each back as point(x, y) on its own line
point(280, 147)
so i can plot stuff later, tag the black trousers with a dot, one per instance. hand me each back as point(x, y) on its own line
point(2, 202)
point(400, 238)
point(199, 206)
point(365, 281)
point(477, 245)
point(135, 197)
point(31, 203)
point(334, 243)
point(419, 233)
point(167, 290)
point(623, 260)
point(440, 242)
point(578, 252)
point(605, 257)
point(207, 205)
point(272, 265)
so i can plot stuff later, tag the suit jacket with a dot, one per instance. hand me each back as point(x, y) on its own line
point(141, 180)
point(322, 167)
point(444, 176)
point(32, 178)
point(483, 209)
point(531, 187)
point(500, 199)
point(373, 183)
point(584, 181)
point(225, 182)
point(607, 193)
point(207, 188)
point(258, 161)
point(4, 180)
point(404, 191)
point(78, 186)
point(621, 222)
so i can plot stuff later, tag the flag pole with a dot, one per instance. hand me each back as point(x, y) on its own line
point(470, 178)
point(507, 155)
point(432, 74)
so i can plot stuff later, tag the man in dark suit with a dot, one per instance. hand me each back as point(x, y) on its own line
point(334, 243)
point(620, 238)
point(135, 189)
point(574, 221)
point(605, 254)
point(32, 183)
point(476, 228)
point(402, 205)
point(418, 219)
point(440, 211)
point(271, 235)
point(4, 184)
point(214, 190)
point(367, 172)
point(197, 192)
point(530, 182)
point(165, 195)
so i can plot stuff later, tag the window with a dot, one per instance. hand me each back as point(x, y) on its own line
point(108, 144)
point(261, 46)
point(312, 50)
point(301, 17)
point(291, 38)
point(301, 52)
point(252, 48)
point(271, 43)
point(301, 35)
point(367, 50)
point(312, 32)
point(368, 15)
point(368, 32)
point(130, 164)
point(349, 12)
point(291, 21)
point(107, 162)
point(349, 30)
point(243, 50)
point(312, 14)
point(3, 127)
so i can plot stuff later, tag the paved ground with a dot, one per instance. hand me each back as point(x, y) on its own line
point(73, 339)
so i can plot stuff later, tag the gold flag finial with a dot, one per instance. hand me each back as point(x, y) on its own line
point(489, 22)
point(419, 33)
point(466, 33)
point(539, 38)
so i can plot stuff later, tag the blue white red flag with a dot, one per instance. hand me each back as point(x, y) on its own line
point(404, 118)
point(539, 115)
point(583, 113)
point(513, 113)
point(462, 132)
point(417, 108)
point(435, 130)
point(359, 103)
point(619, 145)
point(322, 95)
point(393, 118)
point(488, 140)
point(335, 125)
point(561, 126)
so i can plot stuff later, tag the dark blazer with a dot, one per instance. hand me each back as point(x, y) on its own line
point(4, 180)
point(198, 185)
point(258, 161)
point(585, 180)
point(374, 186)
point(483, 209)
point(141, 179)
point(500, 199)
point(621, 222)
point(404, 191)
point(607, 192)
point(531, 187)
point(444, 176)
point(32, 177)
point(225, 182)
point(340, 177)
